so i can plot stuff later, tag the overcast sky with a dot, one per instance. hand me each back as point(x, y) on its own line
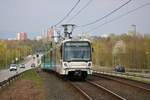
point(32, 16)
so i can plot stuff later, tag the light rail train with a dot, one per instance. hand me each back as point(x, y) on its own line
point(70, 57)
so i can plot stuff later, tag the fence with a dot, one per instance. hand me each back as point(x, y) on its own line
point(135, 74)
point(8, 81)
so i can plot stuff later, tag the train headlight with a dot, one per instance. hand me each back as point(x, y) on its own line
point(65, 64)
point(89, 64)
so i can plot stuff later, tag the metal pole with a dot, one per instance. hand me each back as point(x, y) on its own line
point(6, 59)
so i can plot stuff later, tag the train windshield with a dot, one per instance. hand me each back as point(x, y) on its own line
point(77, 51)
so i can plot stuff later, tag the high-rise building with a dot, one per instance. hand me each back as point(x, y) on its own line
point(132, 30)
point(22, 36)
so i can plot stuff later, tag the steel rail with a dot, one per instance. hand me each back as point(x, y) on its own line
point(129, 84)
point(81, 91)
point(105, 89)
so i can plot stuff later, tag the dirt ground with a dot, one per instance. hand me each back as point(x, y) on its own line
point(57, 89)
point(21, 90)
point(54, 89)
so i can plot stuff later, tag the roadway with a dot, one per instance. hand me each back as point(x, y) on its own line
point(6, 73)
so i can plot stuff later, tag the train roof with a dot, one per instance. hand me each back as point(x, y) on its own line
point(66, 40)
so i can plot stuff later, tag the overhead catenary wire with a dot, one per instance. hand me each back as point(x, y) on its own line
point(67, 13)
point(113, 11)
point(117, 18)
point(85, 6)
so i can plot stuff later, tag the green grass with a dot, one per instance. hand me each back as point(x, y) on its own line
point(33, 75)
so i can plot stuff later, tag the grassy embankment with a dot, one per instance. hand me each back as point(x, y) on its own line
point(33, 76)
point(29, 87)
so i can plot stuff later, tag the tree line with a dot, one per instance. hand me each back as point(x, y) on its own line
point(15, 51)
point(130, 51)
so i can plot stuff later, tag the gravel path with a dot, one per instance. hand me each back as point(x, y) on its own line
point(57, 89)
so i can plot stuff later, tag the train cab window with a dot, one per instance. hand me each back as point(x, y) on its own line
point(77, 51)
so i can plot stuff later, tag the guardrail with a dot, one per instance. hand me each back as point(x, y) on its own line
point(105, 68)
point(145, 79)
point(139, 76)
point(8, 81)
point(124, 74)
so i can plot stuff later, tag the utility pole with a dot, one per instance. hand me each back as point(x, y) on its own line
point(147, 54)
point(6, 59)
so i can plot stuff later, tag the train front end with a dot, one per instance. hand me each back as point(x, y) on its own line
point(77, 58)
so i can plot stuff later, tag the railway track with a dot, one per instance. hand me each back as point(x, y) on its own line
point(129, 82)
point(131, 90)
point(93, 91)
point(99, 87)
